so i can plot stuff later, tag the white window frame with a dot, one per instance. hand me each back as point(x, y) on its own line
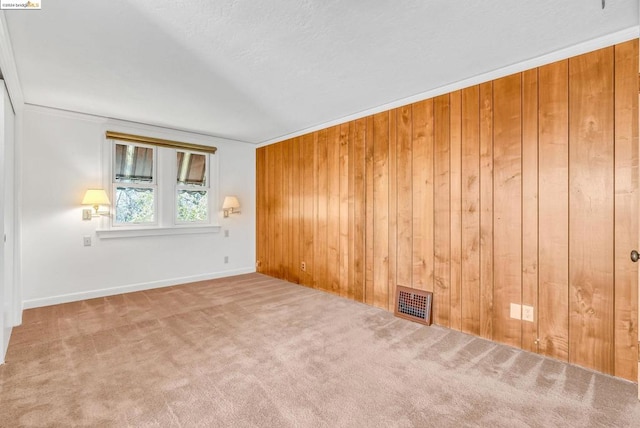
point(165, 197)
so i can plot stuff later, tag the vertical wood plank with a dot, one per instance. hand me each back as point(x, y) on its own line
point(442, 242)
point(422, 194)
point(471, 210)
point(359, 209)
point(381, 210)
point(261, 212)
point(351, 207)
point(392, 207)
point(295, 238)
point(307, 153)
point(553, 211)
point(591, 176)
point(322, 203)
point(285, 171)
point(507, 194)
point(626, 214)
point(275, 182)
point(345, 250)
point(271, 207)
point(486, 210)
point(333, 210)
point(369, 211)
point(530, 206)
point(404, 196)
point(455, 163)
point(281, 212)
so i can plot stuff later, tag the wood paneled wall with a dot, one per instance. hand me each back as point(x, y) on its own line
point(520, 190)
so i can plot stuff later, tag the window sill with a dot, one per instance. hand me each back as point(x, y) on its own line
point(155, 231)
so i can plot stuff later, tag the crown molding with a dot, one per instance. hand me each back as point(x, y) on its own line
point(571, 51)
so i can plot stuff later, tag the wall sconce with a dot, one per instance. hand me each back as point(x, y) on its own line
point(94, 197)
point(231, 205)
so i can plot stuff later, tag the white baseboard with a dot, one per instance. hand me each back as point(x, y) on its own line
point(74, 297)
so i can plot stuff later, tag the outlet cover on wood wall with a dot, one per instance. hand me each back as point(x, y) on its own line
point(516, 311)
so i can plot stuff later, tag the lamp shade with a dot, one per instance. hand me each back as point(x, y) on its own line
point(95, 197)
point(230, 202)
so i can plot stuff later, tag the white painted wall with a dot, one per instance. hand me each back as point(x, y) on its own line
point(61, 157)
point(9, 216)
point(5, 292)
point(7, 222)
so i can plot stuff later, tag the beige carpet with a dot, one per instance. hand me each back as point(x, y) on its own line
point(256, 351)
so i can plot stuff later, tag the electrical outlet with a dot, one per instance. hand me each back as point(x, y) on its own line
point(527, 313)
point(226, 259)
point(226, 233)
point(258, 263)
point(86, 240)
point(303, 266)
point(516, 311)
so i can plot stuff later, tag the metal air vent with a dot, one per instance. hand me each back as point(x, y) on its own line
point(413, 305)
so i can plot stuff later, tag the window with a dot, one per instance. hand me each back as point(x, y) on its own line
point(134, 186)
point(159, 186)
point(192, 190)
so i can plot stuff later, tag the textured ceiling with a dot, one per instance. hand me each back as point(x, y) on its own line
point(256, 70)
